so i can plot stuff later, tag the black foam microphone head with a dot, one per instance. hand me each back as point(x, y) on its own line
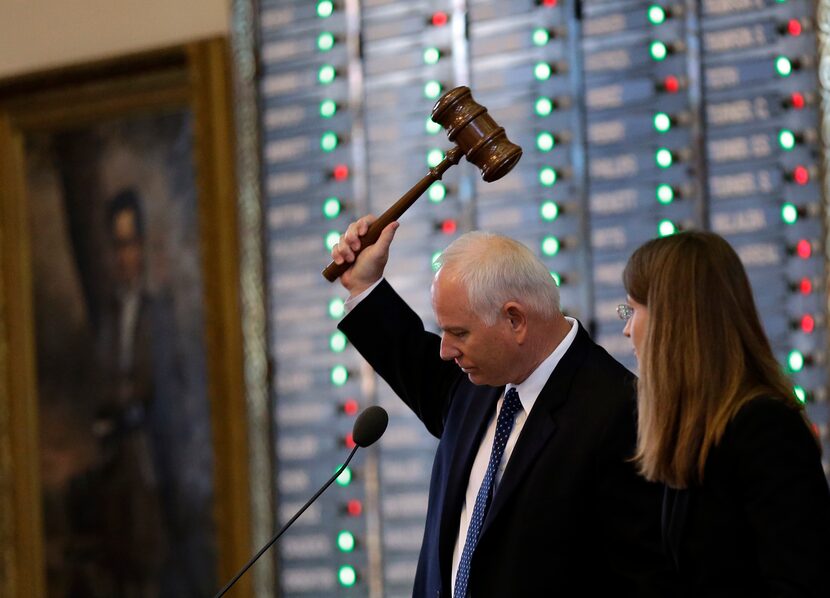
point(369, 426)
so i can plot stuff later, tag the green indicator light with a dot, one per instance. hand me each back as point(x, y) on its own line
point(337, 307)
point(325, 8)
point(328, 141)
point(665, 194)
point(434, 260)
point(800, 394)
point(658, 50)
point(542, 71)
point(434, 157)
point(545, 142)
point(540, 36)
point(331, 208)
point(783, 66)
point(556, 278)
point(786, 139)
point(656, 14)
point(550, 246)
point(547, 176)
point(662, 122)
point(432, 89)
point(337, 342)
point(345, 478)
point(795, 360)
point(549, 211)
point(325, 41)
point(432, 127)
point(432, 55)
point(789, 213)
point(332, 237)
point(339, 376)
point(666, 228)
point(328, 108)
point(345, 541)
point(663, 157)
point(326, 74)
point(347, 576)
point(437, 192)
point(543, 106)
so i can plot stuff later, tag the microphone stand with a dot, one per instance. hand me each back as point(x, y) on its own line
point(286, 526)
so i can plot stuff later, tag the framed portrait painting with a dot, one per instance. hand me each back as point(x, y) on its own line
point(122, 415)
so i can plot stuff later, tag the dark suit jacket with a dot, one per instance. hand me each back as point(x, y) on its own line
point(570, 516)
point(759, 525)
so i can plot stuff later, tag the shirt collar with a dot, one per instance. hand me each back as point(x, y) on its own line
point(529, 389)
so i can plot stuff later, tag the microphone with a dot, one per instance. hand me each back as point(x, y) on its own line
point(368, 428)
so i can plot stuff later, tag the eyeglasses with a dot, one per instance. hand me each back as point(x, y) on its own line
point(625, 312)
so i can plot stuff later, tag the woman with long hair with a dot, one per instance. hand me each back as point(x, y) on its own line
point(746, 510)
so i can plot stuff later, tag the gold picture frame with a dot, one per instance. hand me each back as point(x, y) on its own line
point(194, 78)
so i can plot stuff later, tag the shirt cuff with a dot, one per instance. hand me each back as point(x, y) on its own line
point(351, 302)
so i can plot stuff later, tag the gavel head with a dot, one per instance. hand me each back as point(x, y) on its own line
point(473, 130)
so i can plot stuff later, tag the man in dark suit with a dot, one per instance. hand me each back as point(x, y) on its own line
point(532, 491)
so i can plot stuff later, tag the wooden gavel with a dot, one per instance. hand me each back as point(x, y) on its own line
point(475, 135)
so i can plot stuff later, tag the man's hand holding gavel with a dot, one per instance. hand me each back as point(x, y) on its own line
point(371, 261)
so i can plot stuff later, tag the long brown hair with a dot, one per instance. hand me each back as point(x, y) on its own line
point(705, 355)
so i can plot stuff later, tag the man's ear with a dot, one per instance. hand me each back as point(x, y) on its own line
point(516, 317)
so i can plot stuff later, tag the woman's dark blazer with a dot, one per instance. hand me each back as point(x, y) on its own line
point(759, 524)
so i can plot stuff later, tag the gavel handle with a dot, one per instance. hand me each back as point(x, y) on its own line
point(334, 271)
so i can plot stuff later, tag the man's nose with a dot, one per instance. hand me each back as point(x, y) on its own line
point(448, 350)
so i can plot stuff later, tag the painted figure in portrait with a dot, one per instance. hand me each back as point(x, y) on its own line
point(125, 425)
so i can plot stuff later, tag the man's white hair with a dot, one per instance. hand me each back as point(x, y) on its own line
point(495, 269)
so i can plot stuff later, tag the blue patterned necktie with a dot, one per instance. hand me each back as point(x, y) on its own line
point(504, 425)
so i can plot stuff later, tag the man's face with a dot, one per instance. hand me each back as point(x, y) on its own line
point(128, 248)
point(484, 353)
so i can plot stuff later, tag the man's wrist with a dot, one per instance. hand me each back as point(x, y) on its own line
point(356, 296)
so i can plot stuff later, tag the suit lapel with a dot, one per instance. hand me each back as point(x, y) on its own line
point(479, 409)
point(540, 424)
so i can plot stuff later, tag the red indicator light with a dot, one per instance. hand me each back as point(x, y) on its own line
point(548, 3)
point(804, 249)
point(794, 27)
point(354, 507)
point(449, 226)
point(340, 172)
point(801, 175)
point(805, 286)
point(808, 323)
point(349, 441)
point(350, 407)
point(439, 19)
point(671, 84)
point(797, 100)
